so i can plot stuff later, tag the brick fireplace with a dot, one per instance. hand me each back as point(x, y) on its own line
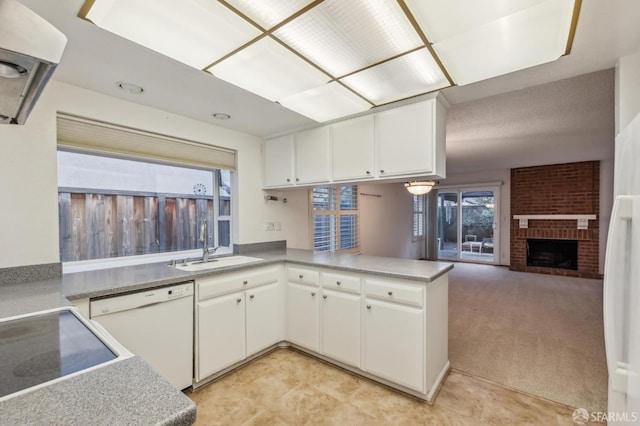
point(560, 189)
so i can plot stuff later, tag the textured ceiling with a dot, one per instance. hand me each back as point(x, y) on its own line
point(564, 121)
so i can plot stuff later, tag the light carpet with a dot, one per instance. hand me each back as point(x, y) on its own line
point(540, 334)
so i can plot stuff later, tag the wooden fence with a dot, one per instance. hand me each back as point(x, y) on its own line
point(96, 226)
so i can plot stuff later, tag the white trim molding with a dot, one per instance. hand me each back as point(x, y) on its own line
point(582, 219)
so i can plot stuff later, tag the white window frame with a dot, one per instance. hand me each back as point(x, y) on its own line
point(337, 213)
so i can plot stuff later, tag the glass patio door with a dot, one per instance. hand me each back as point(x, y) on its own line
point(467, 225)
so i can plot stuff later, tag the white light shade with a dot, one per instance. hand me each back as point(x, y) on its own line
point(408, 75)
point(326, 102)
point(270, 70)
point(344, 36)
point(195, 32)
point(526, 38)
point(419, 188)
point(268, 13)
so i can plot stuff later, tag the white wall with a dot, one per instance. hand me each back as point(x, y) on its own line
point(386, 222)
point(29, 214)
point(499, 175)
point(627, 104)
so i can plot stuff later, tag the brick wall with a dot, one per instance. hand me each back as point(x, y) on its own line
point(572, 188)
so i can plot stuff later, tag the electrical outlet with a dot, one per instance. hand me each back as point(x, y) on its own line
point(278, 226)
point(269, 226)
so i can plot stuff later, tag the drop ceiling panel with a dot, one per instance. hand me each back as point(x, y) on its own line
point(408, 75)
point(326, 102)
point(268, 13)
point(344, 36)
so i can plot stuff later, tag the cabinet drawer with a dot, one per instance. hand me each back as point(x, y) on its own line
point(303, 276)
point(396, 292)
point(341, 282)
point(226, 283)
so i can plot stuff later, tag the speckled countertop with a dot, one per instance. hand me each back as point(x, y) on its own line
point(129, 391)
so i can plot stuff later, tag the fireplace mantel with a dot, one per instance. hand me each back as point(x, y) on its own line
point(583, 219)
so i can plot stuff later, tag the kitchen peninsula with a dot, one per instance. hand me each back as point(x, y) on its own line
point(379, 289)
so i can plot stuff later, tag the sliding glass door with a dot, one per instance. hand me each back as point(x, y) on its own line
point(468, 224)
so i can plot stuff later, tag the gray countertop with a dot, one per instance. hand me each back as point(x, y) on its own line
point(129, 391)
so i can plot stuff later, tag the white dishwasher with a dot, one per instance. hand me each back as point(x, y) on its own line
point(156, 325)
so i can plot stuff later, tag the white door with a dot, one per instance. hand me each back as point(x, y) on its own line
point(353, 147)
point(312, 156)
point(303, 315)
point(265, 320)
point(221, 334)
point(341, 326)
point(394, 343)
point(278, 161)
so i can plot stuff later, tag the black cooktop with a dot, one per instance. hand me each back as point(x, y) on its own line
point(44, 347)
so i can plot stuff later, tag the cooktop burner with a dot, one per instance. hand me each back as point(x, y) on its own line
point(44, 347)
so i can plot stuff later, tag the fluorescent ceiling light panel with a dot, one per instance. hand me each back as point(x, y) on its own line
point(408, 75)
point(195, 32)
point(440, 20)
point(270, 70)
point(523, 39)
point(326, 102)
point(268, 13)
point(344, 36)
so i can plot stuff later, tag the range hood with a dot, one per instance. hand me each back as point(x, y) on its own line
point(30, 50)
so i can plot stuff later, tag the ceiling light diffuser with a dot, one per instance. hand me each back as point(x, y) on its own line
point(419, 188)
point(344, 36)
point(326, 102)
point(481, 45)
point(403, 77)
point(195, 32)
point(270, 70)
point(268, 13)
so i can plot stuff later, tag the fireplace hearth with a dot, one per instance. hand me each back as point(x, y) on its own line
point(561, 254)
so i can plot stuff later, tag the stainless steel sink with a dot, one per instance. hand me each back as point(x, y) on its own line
point(215, 263)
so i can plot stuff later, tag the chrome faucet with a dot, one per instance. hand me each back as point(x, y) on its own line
point(204, 239)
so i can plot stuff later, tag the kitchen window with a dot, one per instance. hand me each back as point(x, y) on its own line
point(336, 219)
point(418, 217)
point(115, 207)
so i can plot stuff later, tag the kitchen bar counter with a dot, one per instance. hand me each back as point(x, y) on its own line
point(129, 391)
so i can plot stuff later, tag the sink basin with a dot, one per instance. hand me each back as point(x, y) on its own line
point(220, 262)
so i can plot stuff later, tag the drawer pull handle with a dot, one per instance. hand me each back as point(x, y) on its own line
point(324, 296)
point(313, 293)
point(288, 180)
point(381, 171)
point(368, 306)
point(238, 300)
point(245, 282)
point(368, 172)
point(338, 283)
point(390, 293)
point(301, 276)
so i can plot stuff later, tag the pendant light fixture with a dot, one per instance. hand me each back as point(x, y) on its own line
point(419, 188)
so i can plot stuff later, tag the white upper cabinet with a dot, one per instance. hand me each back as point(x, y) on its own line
point(403, 142)
point(277, 157)
point(353, 149)
point(405, 137)
point(312, 156)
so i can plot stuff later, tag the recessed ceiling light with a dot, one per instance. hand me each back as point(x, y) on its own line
point(130, 88)
point(221, 116)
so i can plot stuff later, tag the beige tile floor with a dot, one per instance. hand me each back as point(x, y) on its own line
point(287, 387)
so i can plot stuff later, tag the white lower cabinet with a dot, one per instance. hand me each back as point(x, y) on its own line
point(340, 326)
point(303, 315)
point(221, 333)
point(393, 341)
point(264, 317)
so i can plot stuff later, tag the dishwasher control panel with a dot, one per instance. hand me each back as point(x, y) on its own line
point(181, 291)
point(140, 299)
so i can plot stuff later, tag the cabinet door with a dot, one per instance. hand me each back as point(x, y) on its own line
point(265, 320)
point(393, 343)
point(220, 334)
point(303, 315)
point(353, 149)
point(312, 156)
point(406, 140)
point(277, 160)
point(341, 326)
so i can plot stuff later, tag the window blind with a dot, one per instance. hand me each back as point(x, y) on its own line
point(76, 132)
